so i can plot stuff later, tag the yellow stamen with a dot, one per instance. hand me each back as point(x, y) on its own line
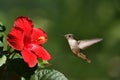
point(42, 39)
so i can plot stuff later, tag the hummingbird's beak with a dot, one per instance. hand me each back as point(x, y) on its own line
point(62, 35)
point(65, 35)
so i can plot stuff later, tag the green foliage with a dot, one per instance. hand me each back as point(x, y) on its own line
point(2, 27)
point(48, 74)
point(3, 42)
point(22, 70)
point(2, 60)
point(43, 63)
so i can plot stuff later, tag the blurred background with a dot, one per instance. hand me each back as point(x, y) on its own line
point(85, 19)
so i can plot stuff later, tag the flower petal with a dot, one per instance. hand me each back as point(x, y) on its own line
point(39, 36)
point(15, 38)
point(41, 52)
point(29, 57)
point(24, 23)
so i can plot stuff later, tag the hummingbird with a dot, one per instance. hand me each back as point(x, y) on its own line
point(77, 45)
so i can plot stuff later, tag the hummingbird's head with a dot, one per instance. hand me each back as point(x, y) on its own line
point(68, 36)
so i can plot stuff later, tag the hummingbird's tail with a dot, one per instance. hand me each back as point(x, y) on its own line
point(83, 56)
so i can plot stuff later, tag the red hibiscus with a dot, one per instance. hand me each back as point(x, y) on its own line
point(27, 39)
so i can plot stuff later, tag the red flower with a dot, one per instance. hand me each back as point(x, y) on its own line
point(27, 39)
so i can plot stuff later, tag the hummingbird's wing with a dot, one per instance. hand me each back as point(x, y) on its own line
point(82, 44)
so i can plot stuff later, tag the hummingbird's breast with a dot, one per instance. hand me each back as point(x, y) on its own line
point(73, 43)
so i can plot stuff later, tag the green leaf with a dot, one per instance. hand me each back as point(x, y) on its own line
point(43, 63)
point(49, 74)
point(22, 78)
point(5, 42)
point(2, 27)
point(2, 60)
point(1, 44)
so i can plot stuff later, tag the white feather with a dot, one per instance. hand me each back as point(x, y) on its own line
point(82, 44)
point(73, 43)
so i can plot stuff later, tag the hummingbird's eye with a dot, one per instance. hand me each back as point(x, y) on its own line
point(69, 35)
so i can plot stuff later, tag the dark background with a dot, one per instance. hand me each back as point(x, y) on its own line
point(85, 19)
